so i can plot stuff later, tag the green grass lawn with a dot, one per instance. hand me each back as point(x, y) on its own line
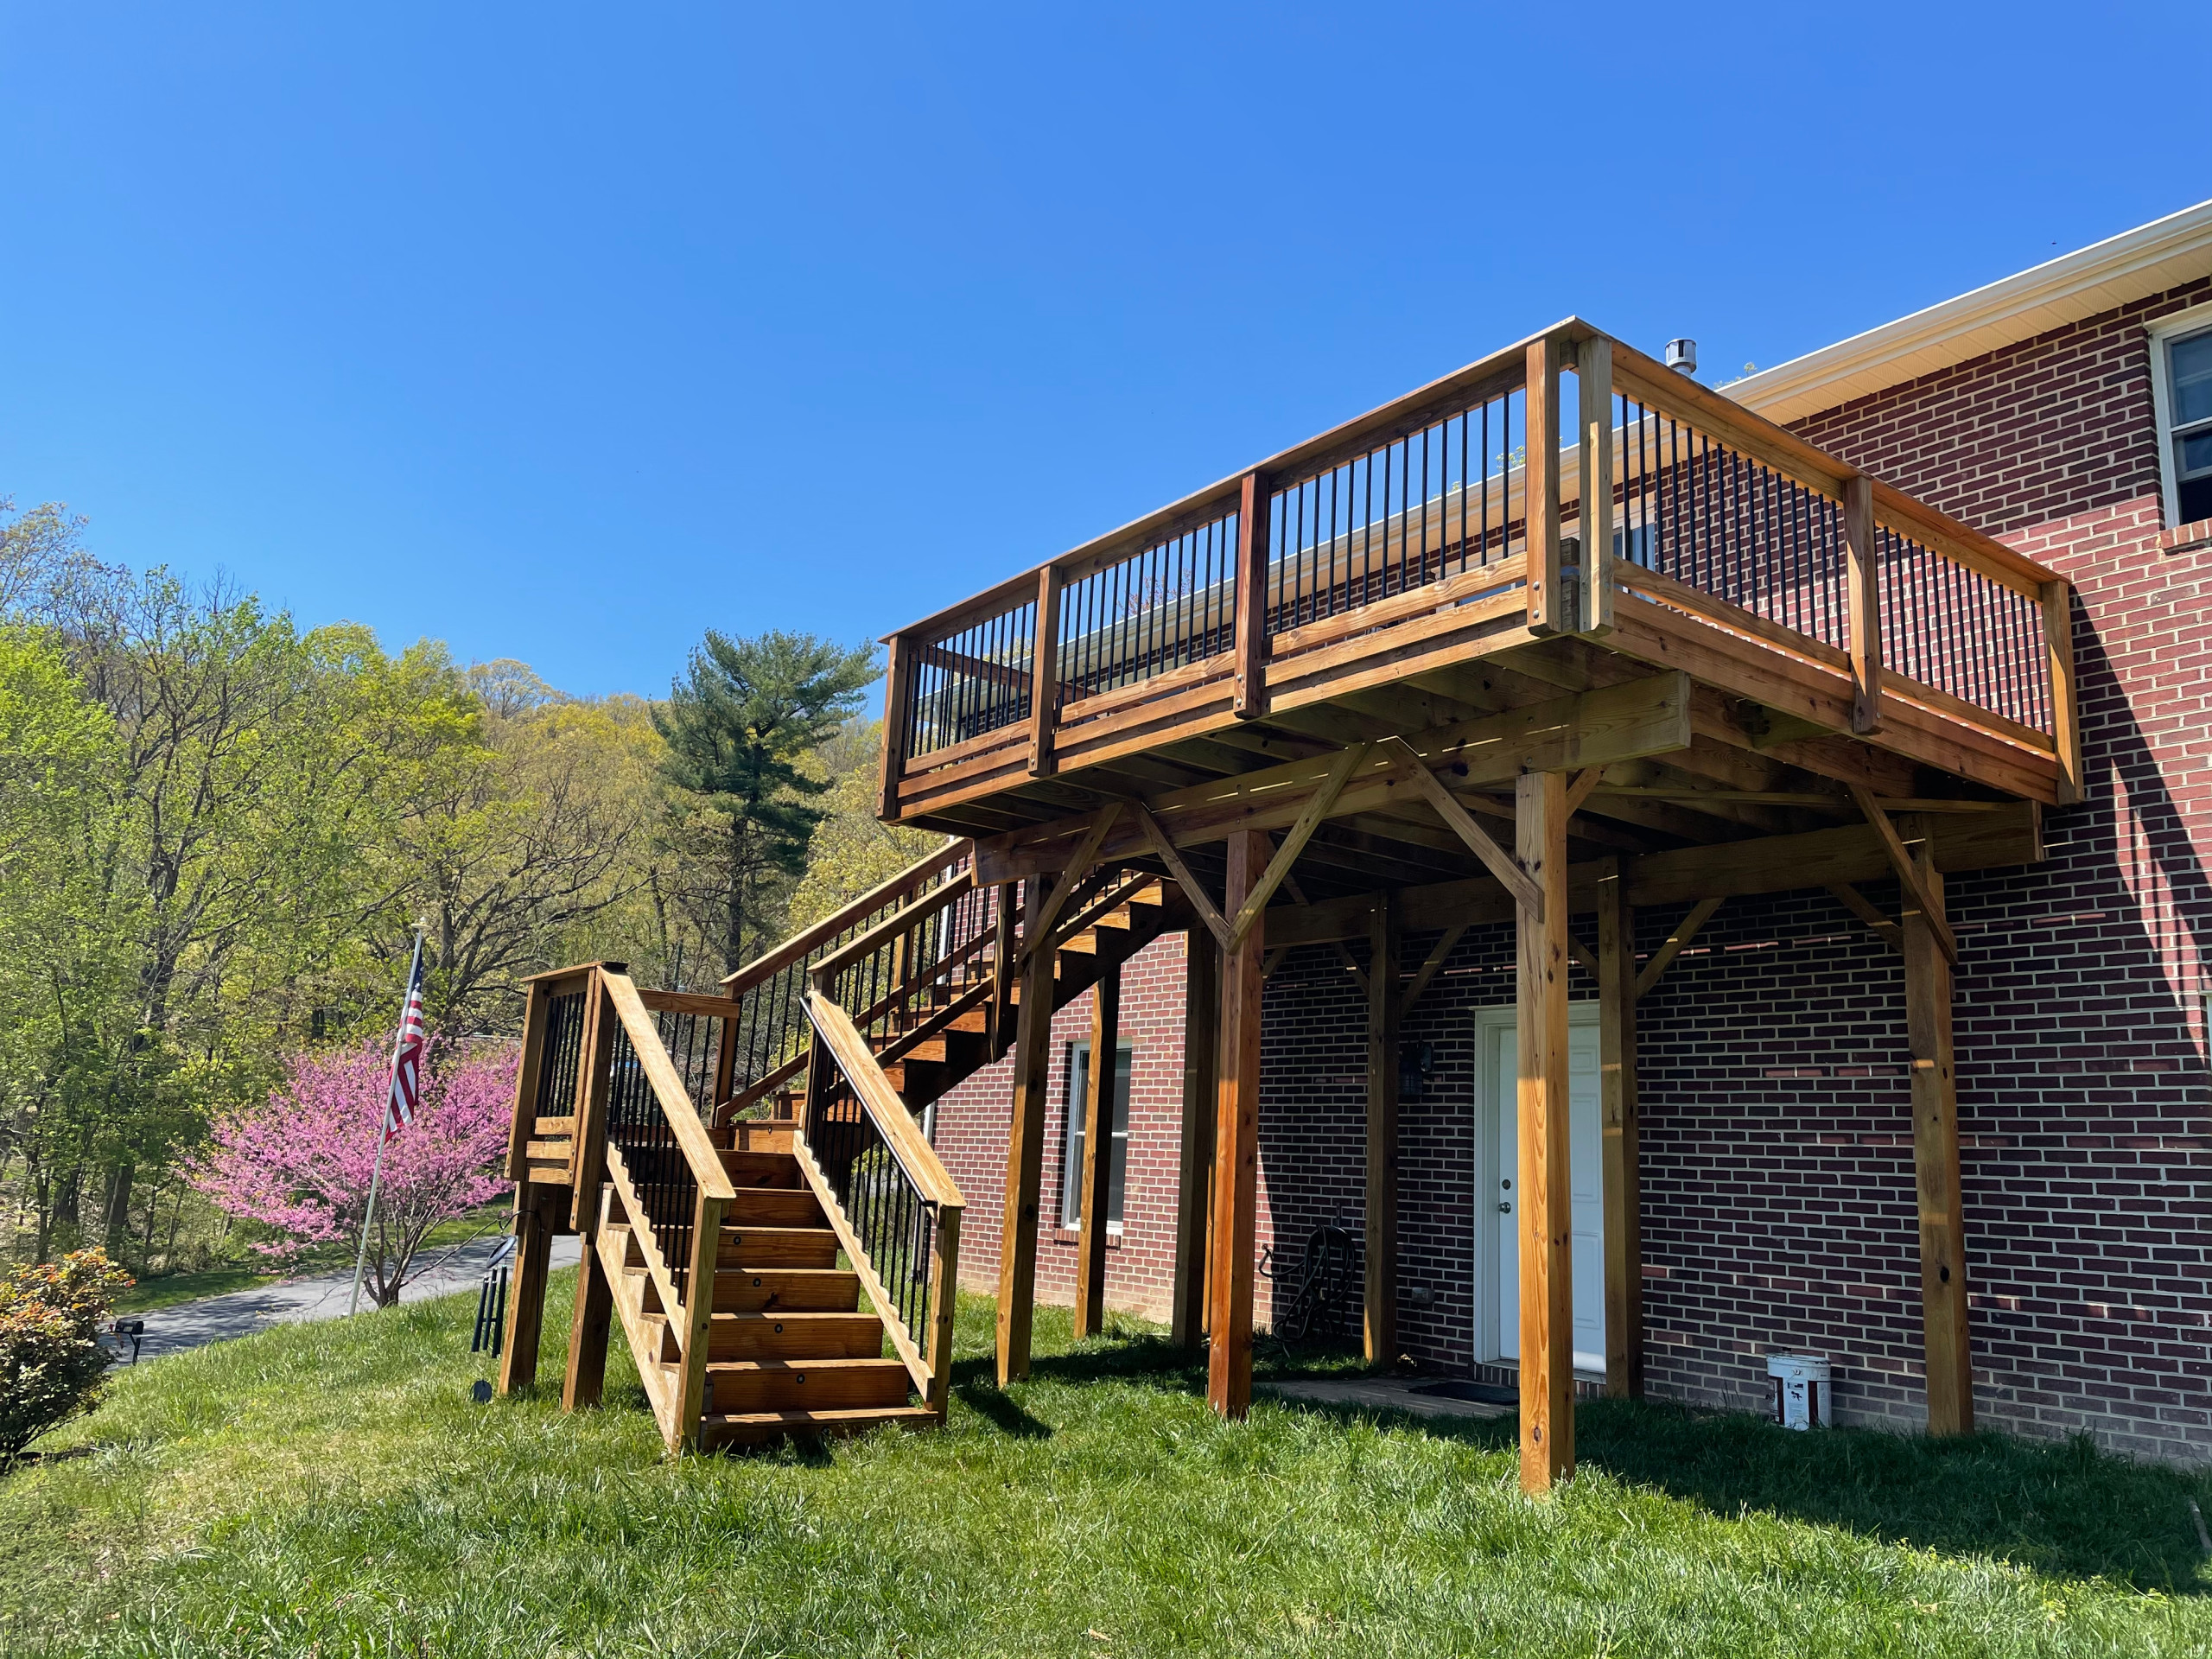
point(330, 1489)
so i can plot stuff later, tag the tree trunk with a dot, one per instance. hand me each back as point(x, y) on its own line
point(734, 935)
point(116, 1223)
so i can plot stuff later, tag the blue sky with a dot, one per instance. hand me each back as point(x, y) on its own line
point(563, 334)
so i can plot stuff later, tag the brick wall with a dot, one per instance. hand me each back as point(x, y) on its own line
point(1778, 1186)
point(971, 1137)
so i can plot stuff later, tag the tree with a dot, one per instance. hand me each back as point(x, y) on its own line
point(738, 728)
point(520, 829)
point(853, 851)
point(301, 1164)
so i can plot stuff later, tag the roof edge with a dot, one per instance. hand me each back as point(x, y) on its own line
point(1939, 334)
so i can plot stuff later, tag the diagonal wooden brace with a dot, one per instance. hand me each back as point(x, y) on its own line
point(1500, 863)
point(1700, 914)
point(1916, 891)
point(1079, 867)
point(1317, 808)
point(1193, 889)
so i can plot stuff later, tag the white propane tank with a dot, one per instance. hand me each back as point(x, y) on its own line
point(1801, 1395)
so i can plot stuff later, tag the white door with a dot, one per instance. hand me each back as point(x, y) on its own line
point(1585, 1182)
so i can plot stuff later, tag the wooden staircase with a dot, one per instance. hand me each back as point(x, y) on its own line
point(826, 1235)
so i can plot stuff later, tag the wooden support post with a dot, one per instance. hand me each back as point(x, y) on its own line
point(1936, 1152)
point(538, 1214)
point(698, 1312)
point(1045, 674)
point(1099, 1086)
point(1547, 1220)
point(1002, 960)
point(523, 1128)
point(1548, 607)
point(1593, 378)
point(1863, 602)
point(1250, 699)
point(898, 691)
point(1025, 1151)
point(1623, 1192)
point(1194, 1170)
point(1380, 1296)
point(589, 1169)
point(588, 1329)
point(1237, 1146)
point(2058, 649)
point(945, 1297)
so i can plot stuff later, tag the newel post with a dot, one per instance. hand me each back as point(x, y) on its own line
point(1863, 596)
point(1251, 685)
point(897, 701)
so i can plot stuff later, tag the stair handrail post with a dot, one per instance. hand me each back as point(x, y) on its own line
point(945, 1291)
point(593, 1077)
point(699, 1310)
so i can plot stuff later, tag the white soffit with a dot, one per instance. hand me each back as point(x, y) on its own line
point(2149, 259)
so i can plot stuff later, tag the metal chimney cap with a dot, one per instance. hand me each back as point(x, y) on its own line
point(1681, 356)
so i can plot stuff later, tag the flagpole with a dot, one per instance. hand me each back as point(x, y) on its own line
point(376, 1168)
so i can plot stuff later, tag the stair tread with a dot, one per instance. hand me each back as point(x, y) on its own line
point(781, 1316)
point(833, 1415)
point(805, 1364)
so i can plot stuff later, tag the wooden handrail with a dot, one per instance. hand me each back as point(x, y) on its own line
point(767, 966)
point(856, 1060)
point(699, 1149)
point(891, 927)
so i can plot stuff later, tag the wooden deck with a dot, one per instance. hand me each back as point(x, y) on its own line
point(1561, 632)
point(1383, 581)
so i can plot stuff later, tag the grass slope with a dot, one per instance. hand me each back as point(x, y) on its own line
point(329, 1490)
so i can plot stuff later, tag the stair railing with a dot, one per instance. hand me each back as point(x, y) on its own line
point(895, 1209)
point(641, 1124)
point(768, 1036)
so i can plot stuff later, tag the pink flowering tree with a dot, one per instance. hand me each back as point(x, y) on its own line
point(300, 1165)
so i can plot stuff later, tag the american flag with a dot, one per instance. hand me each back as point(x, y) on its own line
point(407, 1057)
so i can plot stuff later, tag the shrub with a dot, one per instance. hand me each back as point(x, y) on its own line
point(51, 1361)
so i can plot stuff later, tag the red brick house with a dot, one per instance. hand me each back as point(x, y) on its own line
point(1680, 876)
point(2068, 412)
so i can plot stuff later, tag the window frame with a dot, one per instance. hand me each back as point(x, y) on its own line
point(1078, 1078)
point(2165, 333)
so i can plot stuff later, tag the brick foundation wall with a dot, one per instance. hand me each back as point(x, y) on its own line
point(971, 1138)
point(1777, 1160)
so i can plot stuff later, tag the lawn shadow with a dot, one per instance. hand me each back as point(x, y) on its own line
point(978, 1390)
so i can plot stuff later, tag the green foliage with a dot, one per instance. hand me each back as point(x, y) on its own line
point(51, 1361)
point(331, 1488)
point(739, 729)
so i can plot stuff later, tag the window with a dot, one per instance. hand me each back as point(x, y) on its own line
point(1078, 1107)
point(2180, 350)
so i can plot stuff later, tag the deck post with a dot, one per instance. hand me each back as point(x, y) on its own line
point(588, 1328)
point(1621, 1177)
point(1936, 1152)
point(1194, 1168)
point(1025, 1151)
point(1549, 610)
point(538, 1216)
point(897, 687)
point(1380, 1292)
point(1249, 699)
point(1593, 379)
point(1547, 1277)
point(1863, 603)
point(1045, 674)
point(1100, 1083)
point(1236, 1144)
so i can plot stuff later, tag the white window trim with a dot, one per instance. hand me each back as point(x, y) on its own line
point(2197, 318)
point(1122, 1046)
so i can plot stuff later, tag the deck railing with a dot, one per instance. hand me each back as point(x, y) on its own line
point(1538, 489)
